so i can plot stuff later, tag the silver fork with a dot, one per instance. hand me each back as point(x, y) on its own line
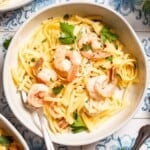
point(39, 111)
point(144, 133)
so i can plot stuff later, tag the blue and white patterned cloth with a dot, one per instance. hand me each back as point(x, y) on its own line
point(140, 21)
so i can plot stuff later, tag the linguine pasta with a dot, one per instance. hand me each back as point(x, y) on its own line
point(74, 67)
point(3, 2)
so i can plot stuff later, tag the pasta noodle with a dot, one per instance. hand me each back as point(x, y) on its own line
point(73, 67)
point(3, 2)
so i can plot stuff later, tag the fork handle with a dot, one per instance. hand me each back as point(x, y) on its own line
point(47, 138)
point(143, 134)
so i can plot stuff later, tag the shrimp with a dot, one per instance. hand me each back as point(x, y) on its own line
point(90, 39)
point(108, 85)
point(94, 47)
point(91, 89)
point(36, 95)
point(67, 62)
point(52, 109)
point(62, 123)
point(93, 107)
point(37, 67)
point(46, 75)
point(95, 55)
point(101, 87)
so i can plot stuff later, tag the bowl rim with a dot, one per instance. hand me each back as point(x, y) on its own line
point(94, 139)
point(15, 131)
point(14, 7)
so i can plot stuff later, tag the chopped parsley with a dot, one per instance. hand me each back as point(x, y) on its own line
point(146, 6)
point(86, 47)
point(102, 67)
point(67, 36)
point(71, 48)
point(58, 89)
point(7, 42)
point(33, 60)
point(119, 76)
point(43, 40)
point(106, 34)
point(51, 79)
point(78, 125)
point(5, 140)
point(109, 58)
point(116, 46)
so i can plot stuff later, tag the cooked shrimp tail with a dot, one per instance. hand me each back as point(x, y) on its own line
point(36, 95)
point(97, 55)
point(66, 63)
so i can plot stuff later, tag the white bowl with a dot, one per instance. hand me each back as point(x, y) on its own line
point(11, 130)
point(14, 4)
point(128, 38)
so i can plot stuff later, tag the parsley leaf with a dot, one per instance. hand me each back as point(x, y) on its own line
point(33, 60)
point(67, 28)
point(67, 36)
point(44, 40)
point(78, 125)
point(86, 47)
point(58, 89)
point(5, 140)
point(106, 34)
point(146, 6)
point(67, 40)
point(7, 42)
point(109, 58)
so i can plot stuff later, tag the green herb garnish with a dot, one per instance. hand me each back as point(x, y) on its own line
point(86, 47)
point(58, 89)
point(33, 60)
point(51, 79)
point(71, 49)
point(5, 140)
point(146, 6)
point(106, 34)
point(109, 58)
point(67, 36)
point(43, 40)
point(101, 67)
point(119, 76)
point(78, 125)
point(7, 42)
point(66, 39)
